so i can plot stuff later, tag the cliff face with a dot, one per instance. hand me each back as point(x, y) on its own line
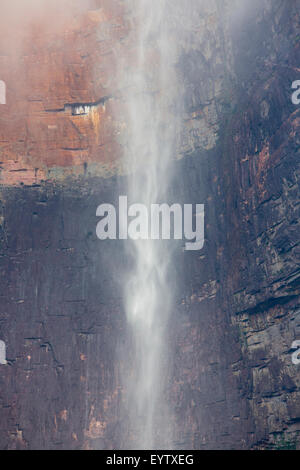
point(60, 72)
point(263, 280)
point(236, 314)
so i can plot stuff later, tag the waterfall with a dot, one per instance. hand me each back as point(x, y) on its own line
point(150, 94)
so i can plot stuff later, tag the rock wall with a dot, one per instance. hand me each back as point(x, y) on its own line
point(236, 308)
point(263, 279)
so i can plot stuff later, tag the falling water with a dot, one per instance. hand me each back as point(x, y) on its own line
point(151, 130)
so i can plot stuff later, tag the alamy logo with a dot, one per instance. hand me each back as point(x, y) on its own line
point(3, 360)
point(296, 354)
point(296, 94)
point(2, 92)
point(155, 223)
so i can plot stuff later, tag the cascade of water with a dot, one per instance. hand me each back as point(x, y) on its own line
point(151, 125)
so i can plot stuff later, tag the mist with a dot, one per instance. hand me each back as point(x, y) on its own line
point(151, 125)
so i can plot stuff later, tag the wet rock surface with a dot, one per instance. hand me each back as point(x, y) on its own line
point(236, 309)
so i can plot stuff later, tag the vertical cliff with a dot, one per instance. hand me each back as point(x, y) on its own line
point(236, 313)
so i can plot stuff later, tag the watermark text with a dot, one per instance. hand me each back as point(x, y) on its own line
point(296, 94)
point(2, 92)
point(296, 354)
point(160, 221)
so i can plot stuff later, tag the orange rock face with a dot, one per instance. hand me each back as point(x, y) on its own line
point(59, 66)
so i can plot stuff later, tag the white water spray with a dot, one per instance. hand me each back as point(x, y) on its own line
point(151, 130)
